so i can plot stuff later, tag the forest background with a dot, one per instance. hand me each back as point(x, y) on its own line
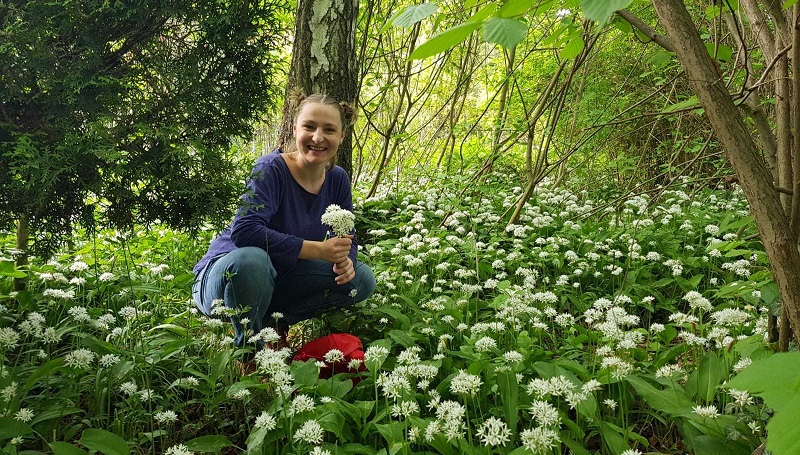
point(154, 114)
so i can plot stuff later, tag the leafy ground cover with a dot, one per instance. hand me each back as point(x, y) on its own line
point(582, 329)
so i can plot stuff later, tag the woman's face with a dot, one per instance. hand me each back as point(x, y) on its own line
point(318, 132)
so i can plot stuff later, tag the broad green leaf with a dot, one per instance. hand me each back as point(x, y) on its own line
point(710, 375)
point(504, 31)
point(514, 8)
point(483, 14)
point(616, 442)
point(414, 14)
point(671, 400)
point(723, 53)
point(600, 10)
point(10, 428)
point(218, 366)
point(305, 373)
point(573, 47)
point(776, 379)
point(691, 102)
point(509, 394)
point(43, 371)
point(105, 442)
point(211, 443)
point(789, 3)
point(59, 411)
point(63, 448)
point(707, 445)
point(176, 329)
point(7, 268)
point(784, 433)
point(661, 59)
point(445, 40)
point(392, 432)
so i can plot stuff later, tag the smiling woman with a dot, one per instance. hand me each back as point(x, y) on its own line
point(276, 257)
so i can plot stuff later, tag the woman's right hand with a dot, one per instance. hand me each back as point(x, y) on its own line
point(336, 249)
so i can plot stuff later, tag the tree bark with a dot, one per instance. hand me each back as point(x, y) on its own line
point(733, 134)
point(23, 237)
point(324, 61)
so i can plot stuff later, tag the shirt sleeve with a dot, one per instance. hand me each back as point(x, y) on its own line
point(259, 205)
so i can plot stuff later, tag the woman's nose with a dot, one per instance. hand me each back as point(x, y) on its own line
point(317, 136)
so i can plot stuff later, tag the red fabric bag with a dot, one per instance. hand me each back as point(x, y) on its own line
point(349, 345)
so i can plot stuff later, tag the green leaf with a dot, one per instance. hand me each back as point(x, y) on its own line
point(784, 433)
point(600, 10)
point(63, 448)
point(445, 40)
point(709, 376)
point(671, 400)
point(414, 14)
point(59, 411)
point(11, 428)
point(514, 8)
point(392, 432)
point(482, 14)
point(776, 379)
point(305, 373)
point(504, 31)
point(211, 443)
point(691, 102)
point(616, 442)
point(789, 3)
point(7, 268)
point(661, 59)
point(573, 47)
point(105, 442)
point(509, 394)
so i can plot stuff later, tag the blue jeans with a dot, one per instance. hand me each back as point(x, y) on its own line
point(246, 279)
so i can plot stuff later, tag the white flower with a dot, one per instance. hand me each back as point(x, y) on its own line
point(539, 440)
point(706, 411)
point(310, 432)
point(340, 220)
point(485, 344)
point(631, 452)
point(109, 360)
point(513, 357)
point(8, 338)
point(465, 383)
point(24, 415)
point(494, 432)
point(107, 276)
point(334, 355)
point(301, 403)
point(179, 449)
point(545, 413)
point(319, 451)
point(128, 388)
point(405, 408)
point(267, 421)
point(79, 358)
point(165, 416)
point(78, 266)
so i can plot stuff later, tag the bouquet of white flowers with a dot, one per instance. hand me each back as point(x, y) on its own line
point(340, 220)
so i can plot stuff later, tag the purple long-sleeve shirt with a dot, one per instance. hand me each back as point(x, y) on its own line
point(277, 214)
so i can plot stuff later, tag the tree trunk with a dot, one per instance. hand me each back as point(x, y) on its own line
point(324, 61)
point(733, 134)
point(23, 237)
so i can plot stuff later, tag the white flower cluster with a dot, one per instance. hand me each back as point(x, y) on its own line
point(340, 220)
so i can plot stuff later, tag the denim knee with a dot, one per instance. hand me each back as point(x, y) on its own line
point(364, 282)
point(249, 262)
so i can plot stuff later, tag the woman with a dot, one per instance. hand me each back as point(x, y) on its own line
point(275, 258)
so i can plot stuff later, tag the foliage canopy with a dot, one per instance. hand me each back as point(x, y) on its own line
point(128, 107)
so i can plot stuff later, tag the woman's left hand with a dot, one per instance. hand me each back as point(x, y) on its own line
point(345, 271)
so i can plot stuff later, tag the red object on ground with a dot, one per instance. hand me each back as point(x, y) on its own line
point(349, 345)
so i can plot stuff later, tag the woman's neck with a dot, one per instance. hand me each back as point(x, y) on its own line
point(308, 176)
